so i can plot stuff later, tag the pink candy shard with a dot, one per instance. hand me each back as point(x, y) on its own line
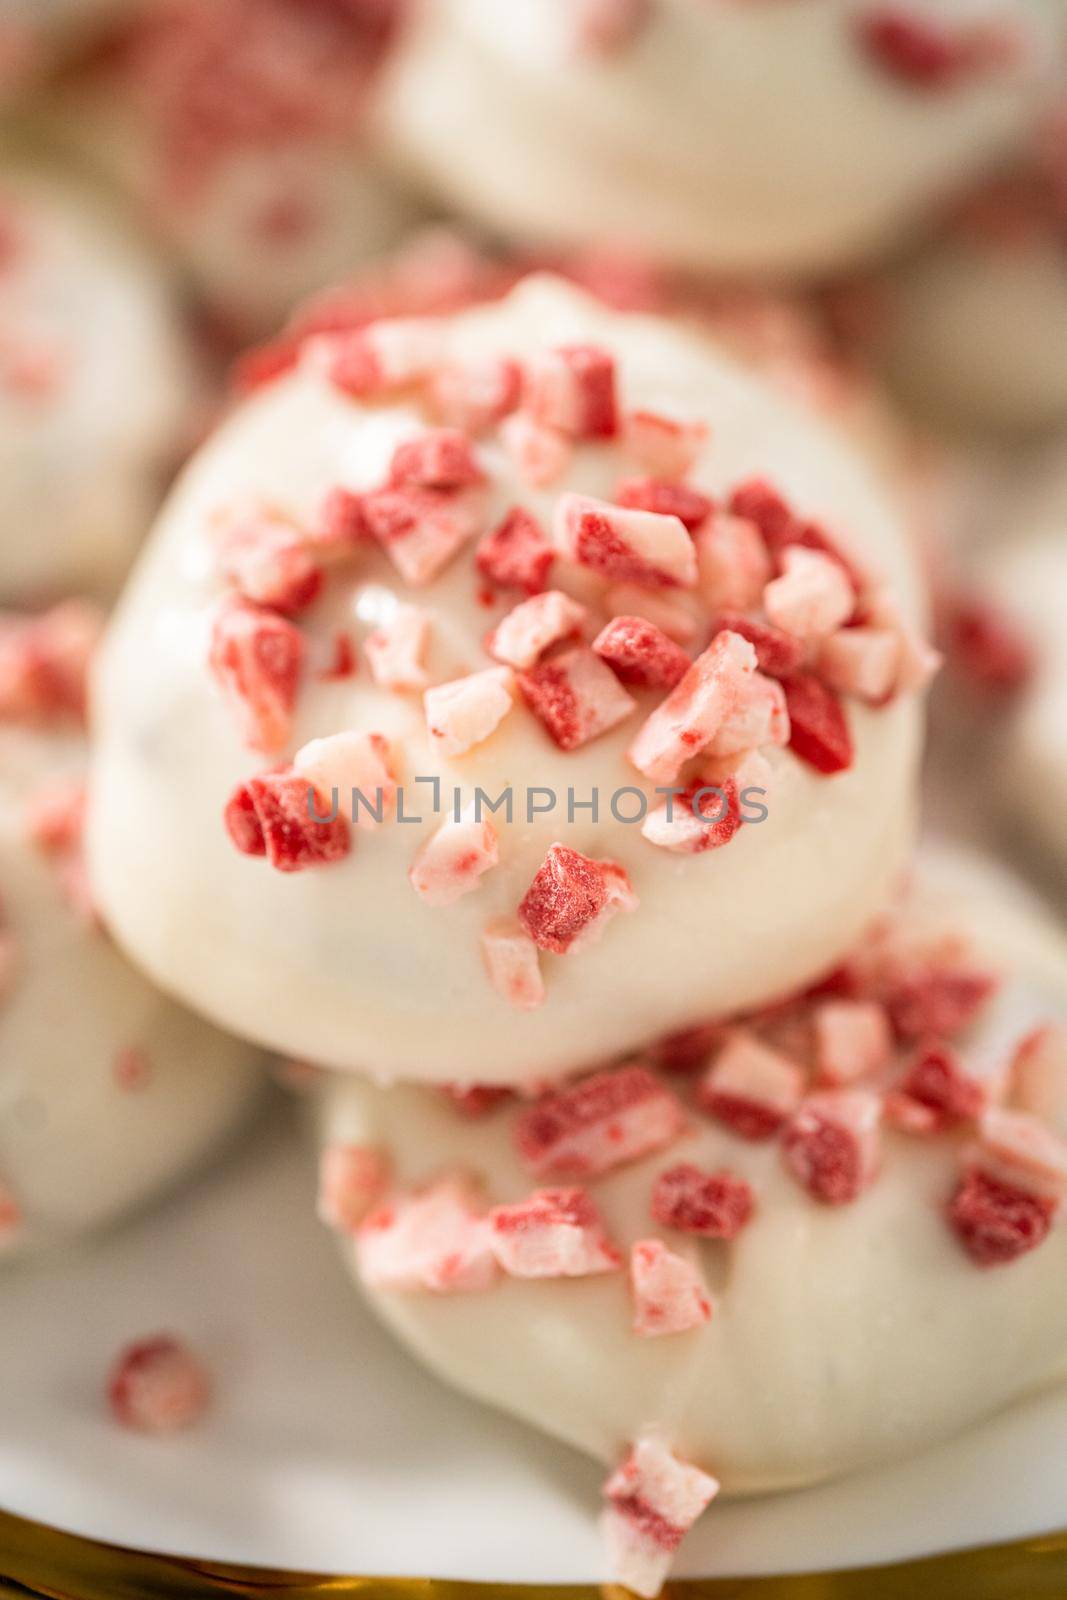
point(576, 697)
point(998, 1222)
point(751, 1087)
point(357, 766)
point(572, 898)
point(662, 445)
point(681, 500)
point(668, 1292)
point(158, 1385)
point(1019, 1150)
point(466, 711)
point(475, 395)
point(625, 546)
point(340, 525)
point(539, 455)
point(713, 1205)
point(383, 358)
point(599, 1123)
point(703, 817)
point(853, 1040)
point(935, 1084)
point(863, 662)
point(1039, 1074)
point(396, 652)
point(812, 598)
point(639, 653)
point(533, 627)
point(440, 458)
point(556, 1233)
point(422, 530)
point(516, 555)
point(653, 1500)
point(759, 717)
point(256, 658)
point(513, 964)
point(733, 567)
point(669, 613)
point(55, 816)
point(832, 1145)
point(352, 1178)
point(938, 998)
point(268, 561)
point(572, 389)
point(44, 662)
point(432, 1240)
point(275, 815)
point(452, 861)
point(693, 712)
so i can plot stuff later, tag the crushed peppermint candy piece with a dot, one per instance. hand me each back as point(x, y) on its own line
point(56, 816)
point(679, 500)
point(751, 1087)
point(475, 1100)
point(572, 898)
point(935, 1083)
point(256, 658)
point(1019, 1150)
point(435, 1240)
point(926, 53)
point(733, 567)
point(778, 654)
point(513, 964)
point(555, 1233)
point(280, 815)
point(996, 1222)
point(340, 525)
point(625, 546)
point(396, 651)
point(422, 530)
point(667, 612)
point(599, 1123)
point(453, 860)
point(576, 697)
point(832, 1145)
point(864, 662)
point(819, 732)
point(686, 722)
point(516, 555)
point(812, 598)
point(713, 1205)
point(572, 389)
point(653, 1500)
point(702, 817)
point(440, 458)
point(663, 446)
point(379, 360)
point(937, 998)
point(355, 767)
point(1038, 1079)
point(268, 560)
point(668, 1291)
point(464, 713)
point(352, 1178)
point(852, 1038)
point(44, 662)
point(534, 626)
point(476, 395)
point(158, 1385)
point(639, 653)
point(539, 455)
point(758, 717)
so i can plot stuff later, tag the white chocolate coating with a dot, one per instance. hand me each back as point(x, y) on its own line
point(78, 1149)
point(344, 964)
point(841, 1336)
point(255, 222)
point(737, 138)
point(1028, 576)
point(94, 389)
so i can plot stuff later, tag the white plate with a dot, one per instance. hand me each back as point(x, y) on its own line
point(328, 1449)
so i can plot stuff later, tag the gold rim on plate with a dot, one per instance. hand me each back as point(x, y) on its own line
point(40, 1561)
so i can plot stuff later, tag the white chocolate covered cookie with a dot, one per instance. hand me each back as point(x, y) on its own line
point(109, 1092)
point(737, 138)
point(824, 1236)
point(94, 387)
point(555, 561)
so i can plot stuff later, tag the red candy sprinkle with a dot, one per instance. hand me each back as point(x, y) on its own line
point(640, 653)
point(819, 732)
point(516, 555)
point(938, 1000)
point(831, 1145)
point(937, 1081)
point(158, 1386)
point(986, 648)
point(268, 561)
point(270, 815)
point(599, 1123)
point(669, 499)
point(256, 657)
point(576, 696)
point(421, 530)
point(570, 899)
point(777, 653)
point(440, 458)
point(715, 1205)
point(556, 1233)
point(922, 53)
point(996, 1223)
point(668, 1292)
point(572, 389)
